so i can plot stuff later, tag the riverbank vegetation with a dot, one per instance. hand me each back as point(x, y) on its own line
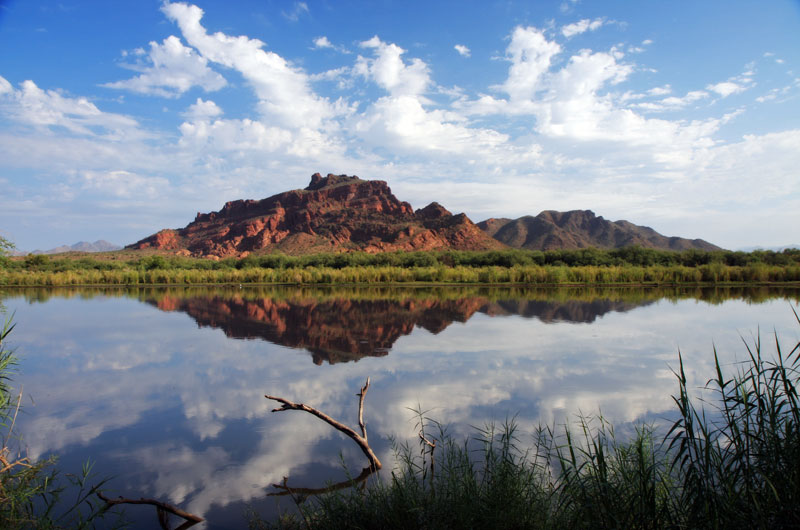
point(633, 265)
point(733, 462)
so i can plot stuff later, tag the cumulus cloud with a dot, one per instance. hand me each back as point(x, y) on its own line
point(582, 26)
point(462, 50)
point(322, 42)
point(531, 55)
point(660, 90)
point(404, 123)
point(726, 88)
point(390, 72)
point(202, 110)
point(284, 91)
point(573, 101)
point(51, 109)
point(172, 70)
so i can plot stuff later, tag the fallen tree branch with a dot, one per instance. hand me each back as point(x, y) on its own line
point(285, 489)
point(359, 439)
point(161, 507)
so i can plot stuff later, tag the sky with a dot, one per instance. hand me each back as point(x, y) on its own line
point(118, 119)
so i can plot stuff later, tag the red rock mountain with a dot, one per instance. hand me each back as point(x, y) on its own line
point(333, 213)
point(581, 229)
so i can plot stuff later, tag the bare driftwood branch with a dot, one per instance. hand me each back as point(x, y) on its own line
point(361, 409)
point(360, 439)
point(162, 508)
point(289, 490)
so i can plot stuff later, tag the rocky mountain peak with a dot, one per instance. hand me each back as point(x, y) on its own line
point(433, 211)
point(318, 181)
point(333, 213)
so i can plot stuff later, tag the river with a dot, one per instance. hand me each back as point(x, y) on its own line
point(163, 388)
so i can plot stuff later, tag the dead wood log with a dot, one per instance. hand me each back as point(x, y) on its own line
point(359, 439)
point(162, 509)
point(303, 493)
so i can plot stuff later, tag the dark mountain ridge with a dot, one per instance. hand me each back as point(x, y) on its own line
point(581, 229)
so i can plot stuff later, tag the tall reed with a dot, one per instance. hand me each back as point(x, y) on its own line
point(733, 464)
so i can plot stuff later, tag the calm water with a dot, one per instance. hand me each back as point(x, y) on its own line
point(163, 388)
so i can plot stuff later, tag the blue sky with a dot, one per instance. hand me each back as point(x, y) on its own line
point(121, 118)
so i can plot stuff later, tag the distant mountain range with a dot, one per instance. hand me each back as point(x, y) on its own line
point(779, 248)
point(81, 246)
point(343, 213)
point(581, 229)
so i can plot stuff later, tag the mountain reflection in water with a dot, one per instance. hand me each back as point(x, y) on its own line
point(367, 323)
point(342, 330)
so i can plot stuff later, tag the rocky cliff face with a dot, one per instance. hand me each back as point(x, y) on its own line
point(581, 229)
point(336, 212)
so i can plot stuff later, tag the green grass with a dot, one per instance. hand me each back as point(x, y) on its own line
point(731, 463)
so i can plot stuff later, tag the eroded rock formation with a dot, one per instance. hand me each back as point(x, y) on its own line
point(333, 213)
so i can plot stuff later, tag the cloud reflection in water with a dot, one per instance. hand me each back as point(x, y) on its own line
point(174, 407)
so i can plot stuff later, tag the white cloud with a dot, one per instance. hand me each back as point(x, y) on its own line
point(322, 42)
point(462, 50)
point(530, 54)
point(726, 88)
point(582, 26)
point(48, 108)
point(299, 9)
point(403, 123)
point(124, 184)
point(173, 70)
point(389, 70)
point(203, 110)
point(5, 86)
point(660, 90)
point(672, 103)
point(283, 90)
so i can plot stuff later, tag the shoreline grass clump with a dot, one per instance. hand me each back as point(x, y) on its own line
point(730, 462)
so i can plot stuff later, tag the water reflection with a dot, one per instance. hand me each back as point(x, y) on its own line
point(340, 327)
point(148, 383)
